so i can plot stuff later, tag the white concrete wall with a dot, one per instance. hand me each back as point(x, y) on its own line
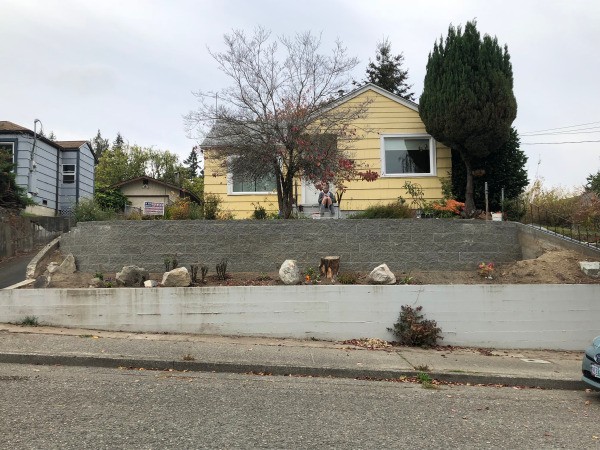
point(564, 317)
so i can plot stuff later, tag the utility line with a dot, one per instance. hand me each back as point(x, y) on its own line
point(557, 143)
point(561, 128)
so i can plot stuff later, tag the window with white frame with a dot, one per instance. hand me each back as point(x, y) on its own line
point(407, 155)
point(68, 173)
point(240, 185)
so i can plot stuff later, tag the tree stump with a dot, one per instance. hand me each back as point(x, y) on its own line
point(330, 265)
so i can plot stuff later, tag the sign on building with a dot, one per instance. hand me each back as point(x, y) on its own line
point(154, 208)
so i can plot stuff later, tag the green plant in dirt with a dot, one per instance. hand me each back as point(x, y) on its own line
point(99, 275)
point(413, 330)
point(29, 321)
point(423, 378)
point(174, 262)
point(485, 270)
point(406, 280)
point(167, 262)
point(203, 272)
point(312, 276)
point(394, 210)
point(222, 270)
point(415, 190)
point(263, 277)
point(348, 278)
point(194, 272)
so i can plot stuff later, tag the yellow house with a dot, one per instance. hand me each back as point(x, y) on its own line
point(394, 144)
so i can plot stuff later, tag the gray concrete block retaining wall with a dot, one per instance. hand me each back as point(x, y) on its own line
point(258, 246)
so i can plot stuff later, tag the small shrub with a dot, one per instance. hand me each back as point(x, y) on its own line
point(423, 378)
point(260, 213)
point(405, 280)
point(203, 272)
point(312, 276)
point(29, 321)
point(348, 278)
point(212, 206)
point(89, 210)
point(486, 270)
point(183, 209)
point(167, 262)
point(99, 275)
point(222, 270)
point(411, 329)
point(514, 209)
point(394, 210)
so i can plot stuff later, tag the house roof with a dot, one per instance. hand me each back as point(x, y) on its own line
point(7, 127)
point(373, 87)
point(69, 145)
point(162, 183)
point(216, 137)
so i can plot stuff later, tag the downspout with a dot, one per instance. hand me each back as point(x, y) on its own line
point(77, 179)
point(57, 180)
point(32, 165)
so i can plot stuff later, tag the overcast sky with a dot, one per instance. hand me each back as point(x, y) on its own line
point(132, 65)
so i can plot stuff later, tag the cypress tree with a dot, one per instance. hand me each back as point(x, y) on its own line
point(468, 102)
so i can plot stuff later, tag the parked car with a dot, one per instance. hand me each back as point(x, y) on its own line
point(591, 364)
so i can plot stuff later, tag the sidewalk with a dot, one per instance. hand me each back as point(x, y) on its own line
point(76, 347)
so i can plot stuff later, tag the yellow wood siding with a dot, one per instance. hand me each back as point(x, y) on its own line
point(385, 116)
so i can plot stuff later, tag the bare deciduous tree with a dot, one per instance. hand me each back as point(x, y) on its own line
point(281, 116)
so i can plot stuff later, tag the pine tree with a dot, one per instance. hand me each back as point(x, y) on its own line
point(52, 136)
point(99, 144)
point(387, 73)
point(468, 102)
point(119, 141)
point(192, 162)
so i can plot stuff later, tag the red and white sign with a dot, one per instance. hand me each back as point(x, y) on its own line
point(154, 208)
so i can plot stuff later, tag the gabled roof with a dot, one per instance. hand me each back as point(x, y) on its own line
point(373, 87)
point(162, 183)
point(7, 127)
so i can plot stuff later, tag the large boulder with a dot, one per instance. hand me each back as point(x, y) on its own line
point(132, 276)
point(68, 265)
point(179, 277)
point(590, 268)
point(289, 272)
point(382, 275)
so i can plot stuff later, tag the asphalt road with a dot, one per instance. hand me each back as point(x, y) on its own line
point(75, 408)
point(14, 269)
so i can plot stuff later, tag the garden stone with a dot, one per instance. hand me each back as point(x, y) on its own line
point(68, 265)
point(382, 275)
point(132, 276)
point(96, 283)
point(289, 272)
point(150, 283)
point(52, 267)
point(179, 277)
point(41, 282)
point(591, 269)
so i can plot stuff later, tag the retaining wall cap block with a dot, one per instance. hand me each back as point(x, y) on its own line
point(591, 269)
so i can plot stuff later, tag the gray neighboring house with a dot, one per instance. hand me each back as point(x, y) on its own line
point(62, 172)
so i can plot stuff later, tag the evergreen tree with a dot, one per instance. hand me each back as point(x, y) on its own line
point(12, 196)
point(192, 163)
point(99, 145)
point(468, 102)
point(387, 73)
point(593, 183)
point(119, 141)
point(52, 136)
point(504, 168)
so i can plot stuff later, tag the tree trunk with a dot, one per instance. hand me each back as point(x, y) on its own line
point(469, 200)
point(330, 265)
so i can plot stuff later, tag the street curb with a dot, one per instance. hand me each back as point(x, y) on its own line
point(271, 369)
